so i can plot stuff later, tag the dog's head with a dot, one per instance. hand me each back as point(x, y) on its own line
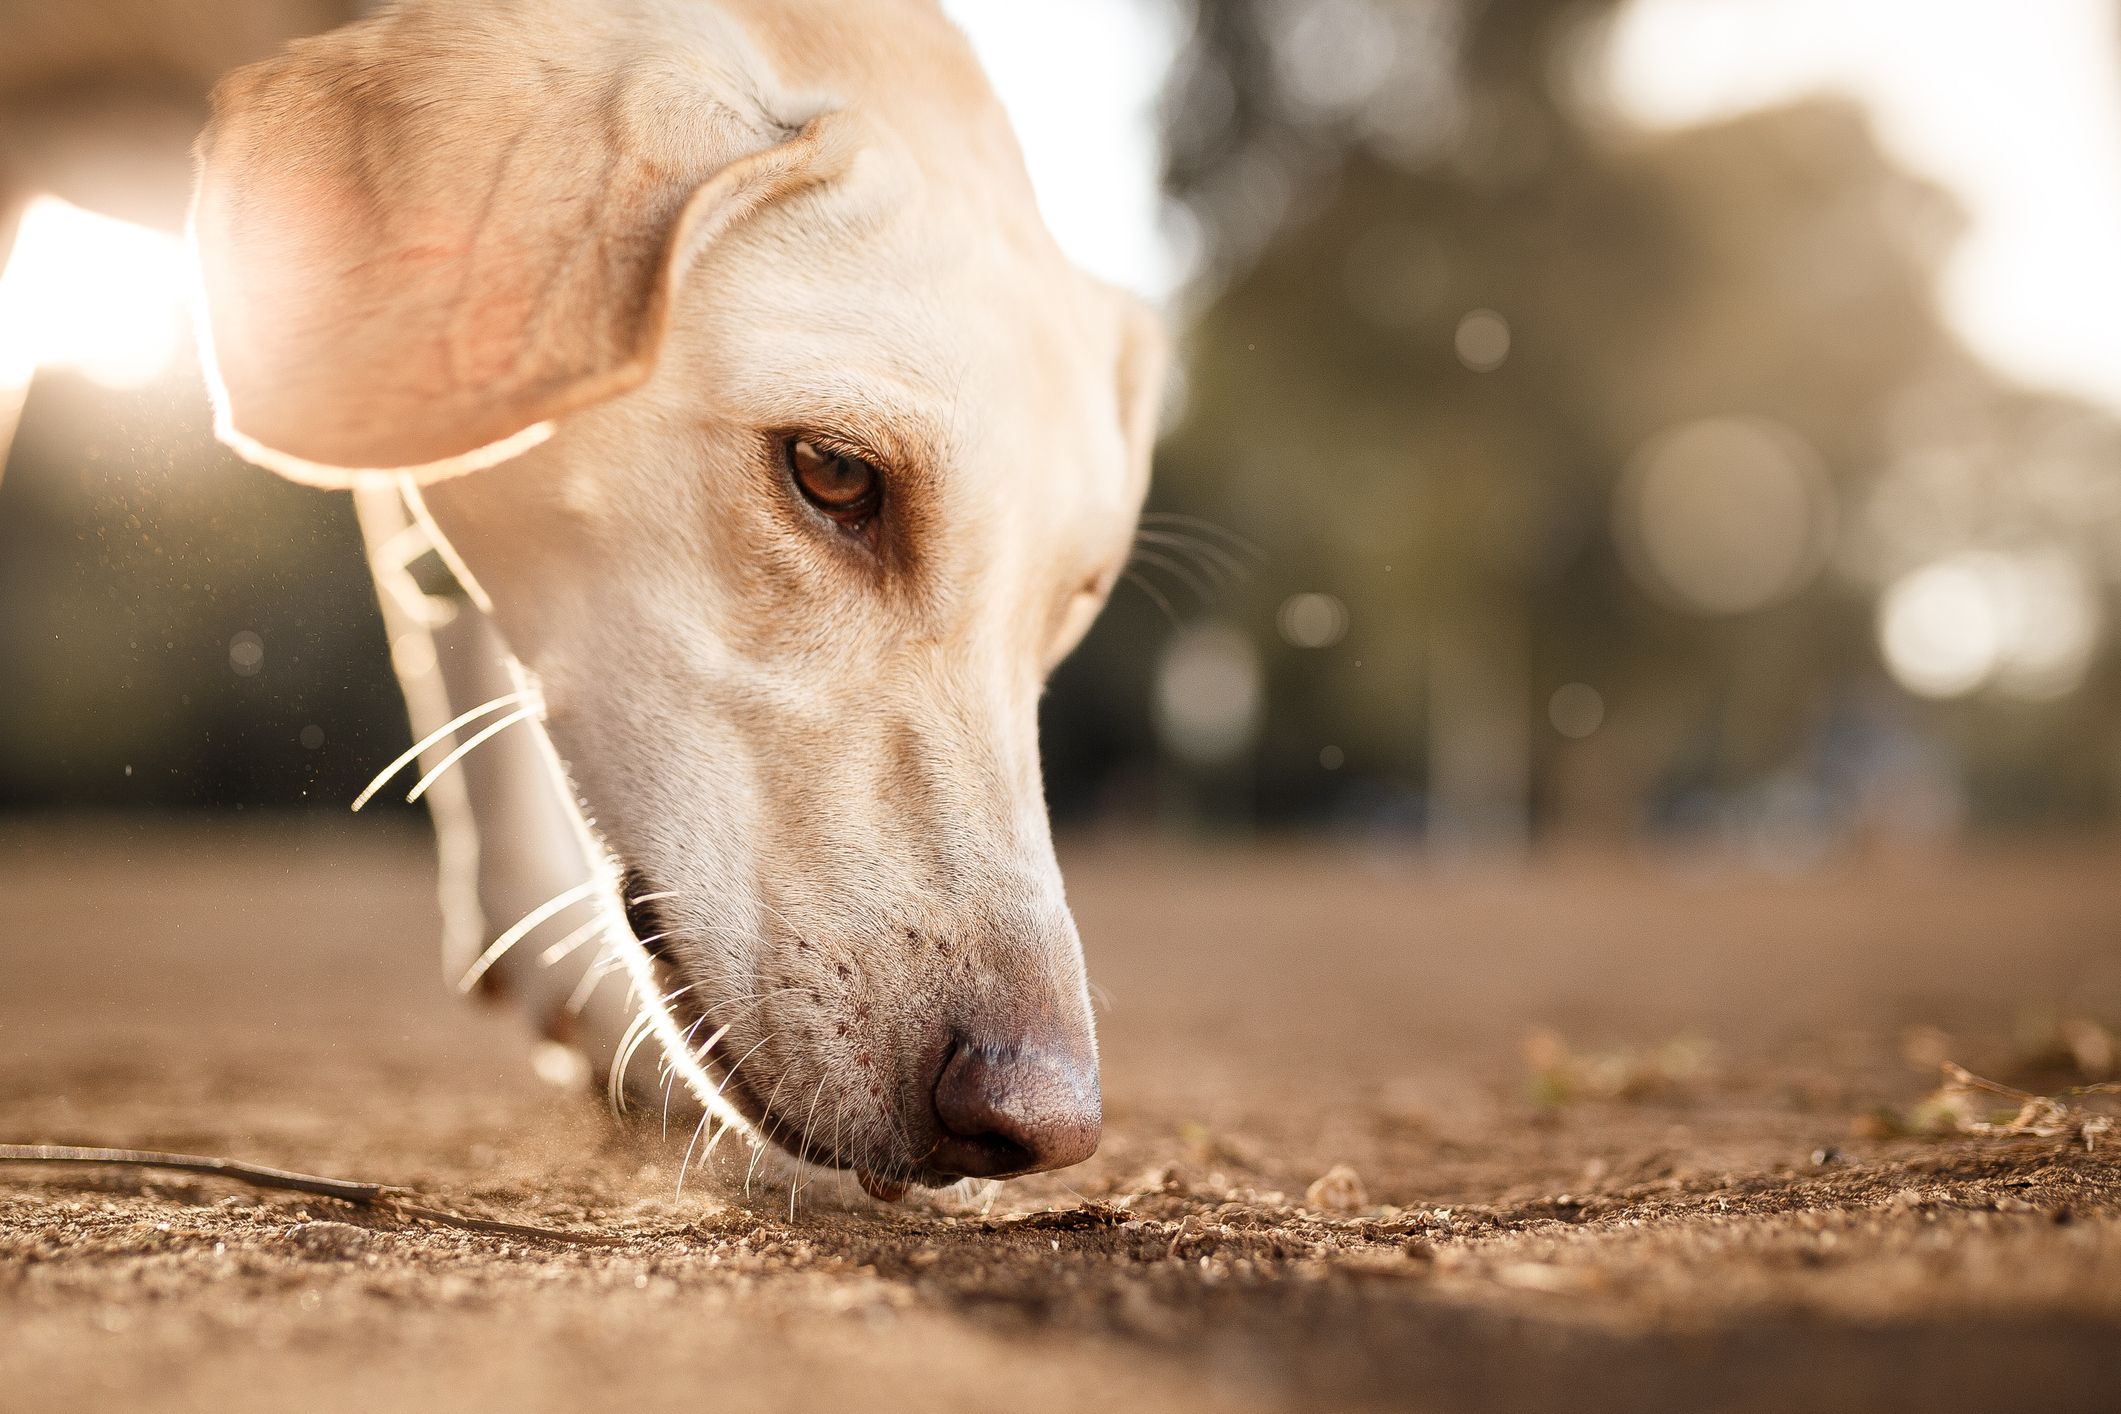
point(731, 354)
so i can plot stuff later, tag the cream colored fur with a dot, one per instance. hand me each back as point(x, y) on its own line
point(550, 282)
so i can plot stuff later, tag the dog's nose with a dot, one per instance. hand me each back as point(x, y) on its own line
point(1008, 1111)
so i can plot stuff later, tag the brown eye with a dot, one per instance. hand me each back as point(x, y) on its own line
point(846, 488)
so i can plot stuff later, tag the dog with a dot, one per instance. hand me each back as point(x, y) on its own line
point(738, 455)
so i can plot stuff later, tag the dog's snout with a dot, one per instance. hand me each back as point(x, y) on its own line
point(1006, 1111)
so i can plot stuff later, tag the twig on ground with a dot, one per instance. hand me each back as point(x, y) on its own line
point(2038, 1117)
point(378, 1197)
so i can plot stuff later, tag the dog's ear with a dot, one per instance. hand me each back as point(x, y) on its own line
point(425, 236)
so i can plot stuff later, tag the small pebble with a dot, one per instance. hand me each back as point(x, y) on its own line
point(329, 1239)
point(1338, 1190)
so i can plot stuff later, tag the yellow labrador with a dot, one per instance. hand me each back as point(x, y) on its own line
point(718, 348)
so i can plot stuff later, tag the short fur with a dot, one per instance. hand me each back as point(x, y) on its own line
point(626, 247)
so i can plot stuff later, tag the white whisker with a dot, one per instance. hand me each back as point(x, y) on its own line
point(523, 928)
point(758, 1151)
point(641, 966)
point(685, 1167)
point(671, 1065)
point(1205, 527)
point(480, 738)
point(1172, 566)
point(629, 1046)
point(786, 921)
point(1156, 596)
point(795, 1187)
point(392, 565)
point(593, 977)
point(431, 740)
point(566, 947)
point(1213, 559)
point(670, 1071)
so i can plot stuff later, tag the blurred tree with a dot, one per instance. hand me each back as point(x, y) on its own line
point(1598, 446)
point(1553, 404)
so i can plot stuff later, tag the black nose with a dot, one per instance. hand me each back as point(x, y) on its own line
point(1007, 1111)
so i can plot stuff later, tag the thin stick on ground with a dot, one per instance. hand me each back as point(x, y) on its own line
point(378, 1197)
point(2039, 1116)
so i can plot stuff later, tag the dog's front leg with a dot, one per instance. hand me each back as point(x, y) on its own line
point(524, 915)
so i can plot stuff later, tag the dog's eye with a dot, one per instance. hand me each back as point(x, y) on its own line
point(846, 488)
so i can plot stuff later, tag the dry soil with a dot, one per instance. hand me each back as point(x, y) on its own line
point(1618, 1134)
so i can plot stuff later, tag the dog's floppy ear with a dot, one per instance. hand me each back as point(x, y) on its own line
point(425, 236)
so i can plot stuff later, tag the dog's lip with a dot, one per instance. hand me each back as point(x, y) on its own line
point(791, 1137)
point(690, 1011)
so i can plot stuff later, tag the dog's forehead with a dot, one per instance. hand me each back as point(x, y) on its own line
point(873, 308)
point(916, 297)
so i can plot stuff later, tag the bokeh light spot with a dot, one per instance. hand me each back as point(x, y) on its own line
point(246, 654)
point(2026, 623)
point(1209, 692)
point(1576, 710)
point(1940, 631)
point(1725, 515)
point(1483, 340)
point(412, 654)
point(1313, 620)
point(1334, 54)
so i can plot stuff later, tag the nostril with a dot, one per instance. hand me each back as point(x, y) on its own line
point(1007, 1111)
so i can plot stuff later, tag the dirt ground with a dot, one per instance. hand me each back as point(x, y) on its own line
point(1626, 1134)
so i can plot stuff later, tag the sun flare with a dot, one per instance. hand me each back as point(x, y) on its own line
point(101, 296)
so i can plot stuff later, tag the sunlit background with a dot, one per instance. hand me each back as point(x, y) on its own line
point(1673, 422)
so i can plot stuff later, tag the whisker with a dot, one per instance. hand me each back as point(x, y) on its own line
point(1203, 526)
point(1177, 571)
point(685, 1167)
point(786, 921)
point(657, 1020)
point(759, 1152)
point(796, 1187)
point(730, 1074)
point(566, 947)
point(392, 566)
point(765, 996)
point(478, 739)
point(722, 1088)
point(1212, 559)
point(670, 1070)
point(839, 1115)
point(428, 742)
point(598, 973)
point(1156, 596)
point(523, 928)
point(629, 1046)
point(707, 1154)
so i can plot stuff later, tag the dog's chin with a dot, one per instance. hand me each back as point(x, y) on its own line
point(790, 1138)
point(689, 1009)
